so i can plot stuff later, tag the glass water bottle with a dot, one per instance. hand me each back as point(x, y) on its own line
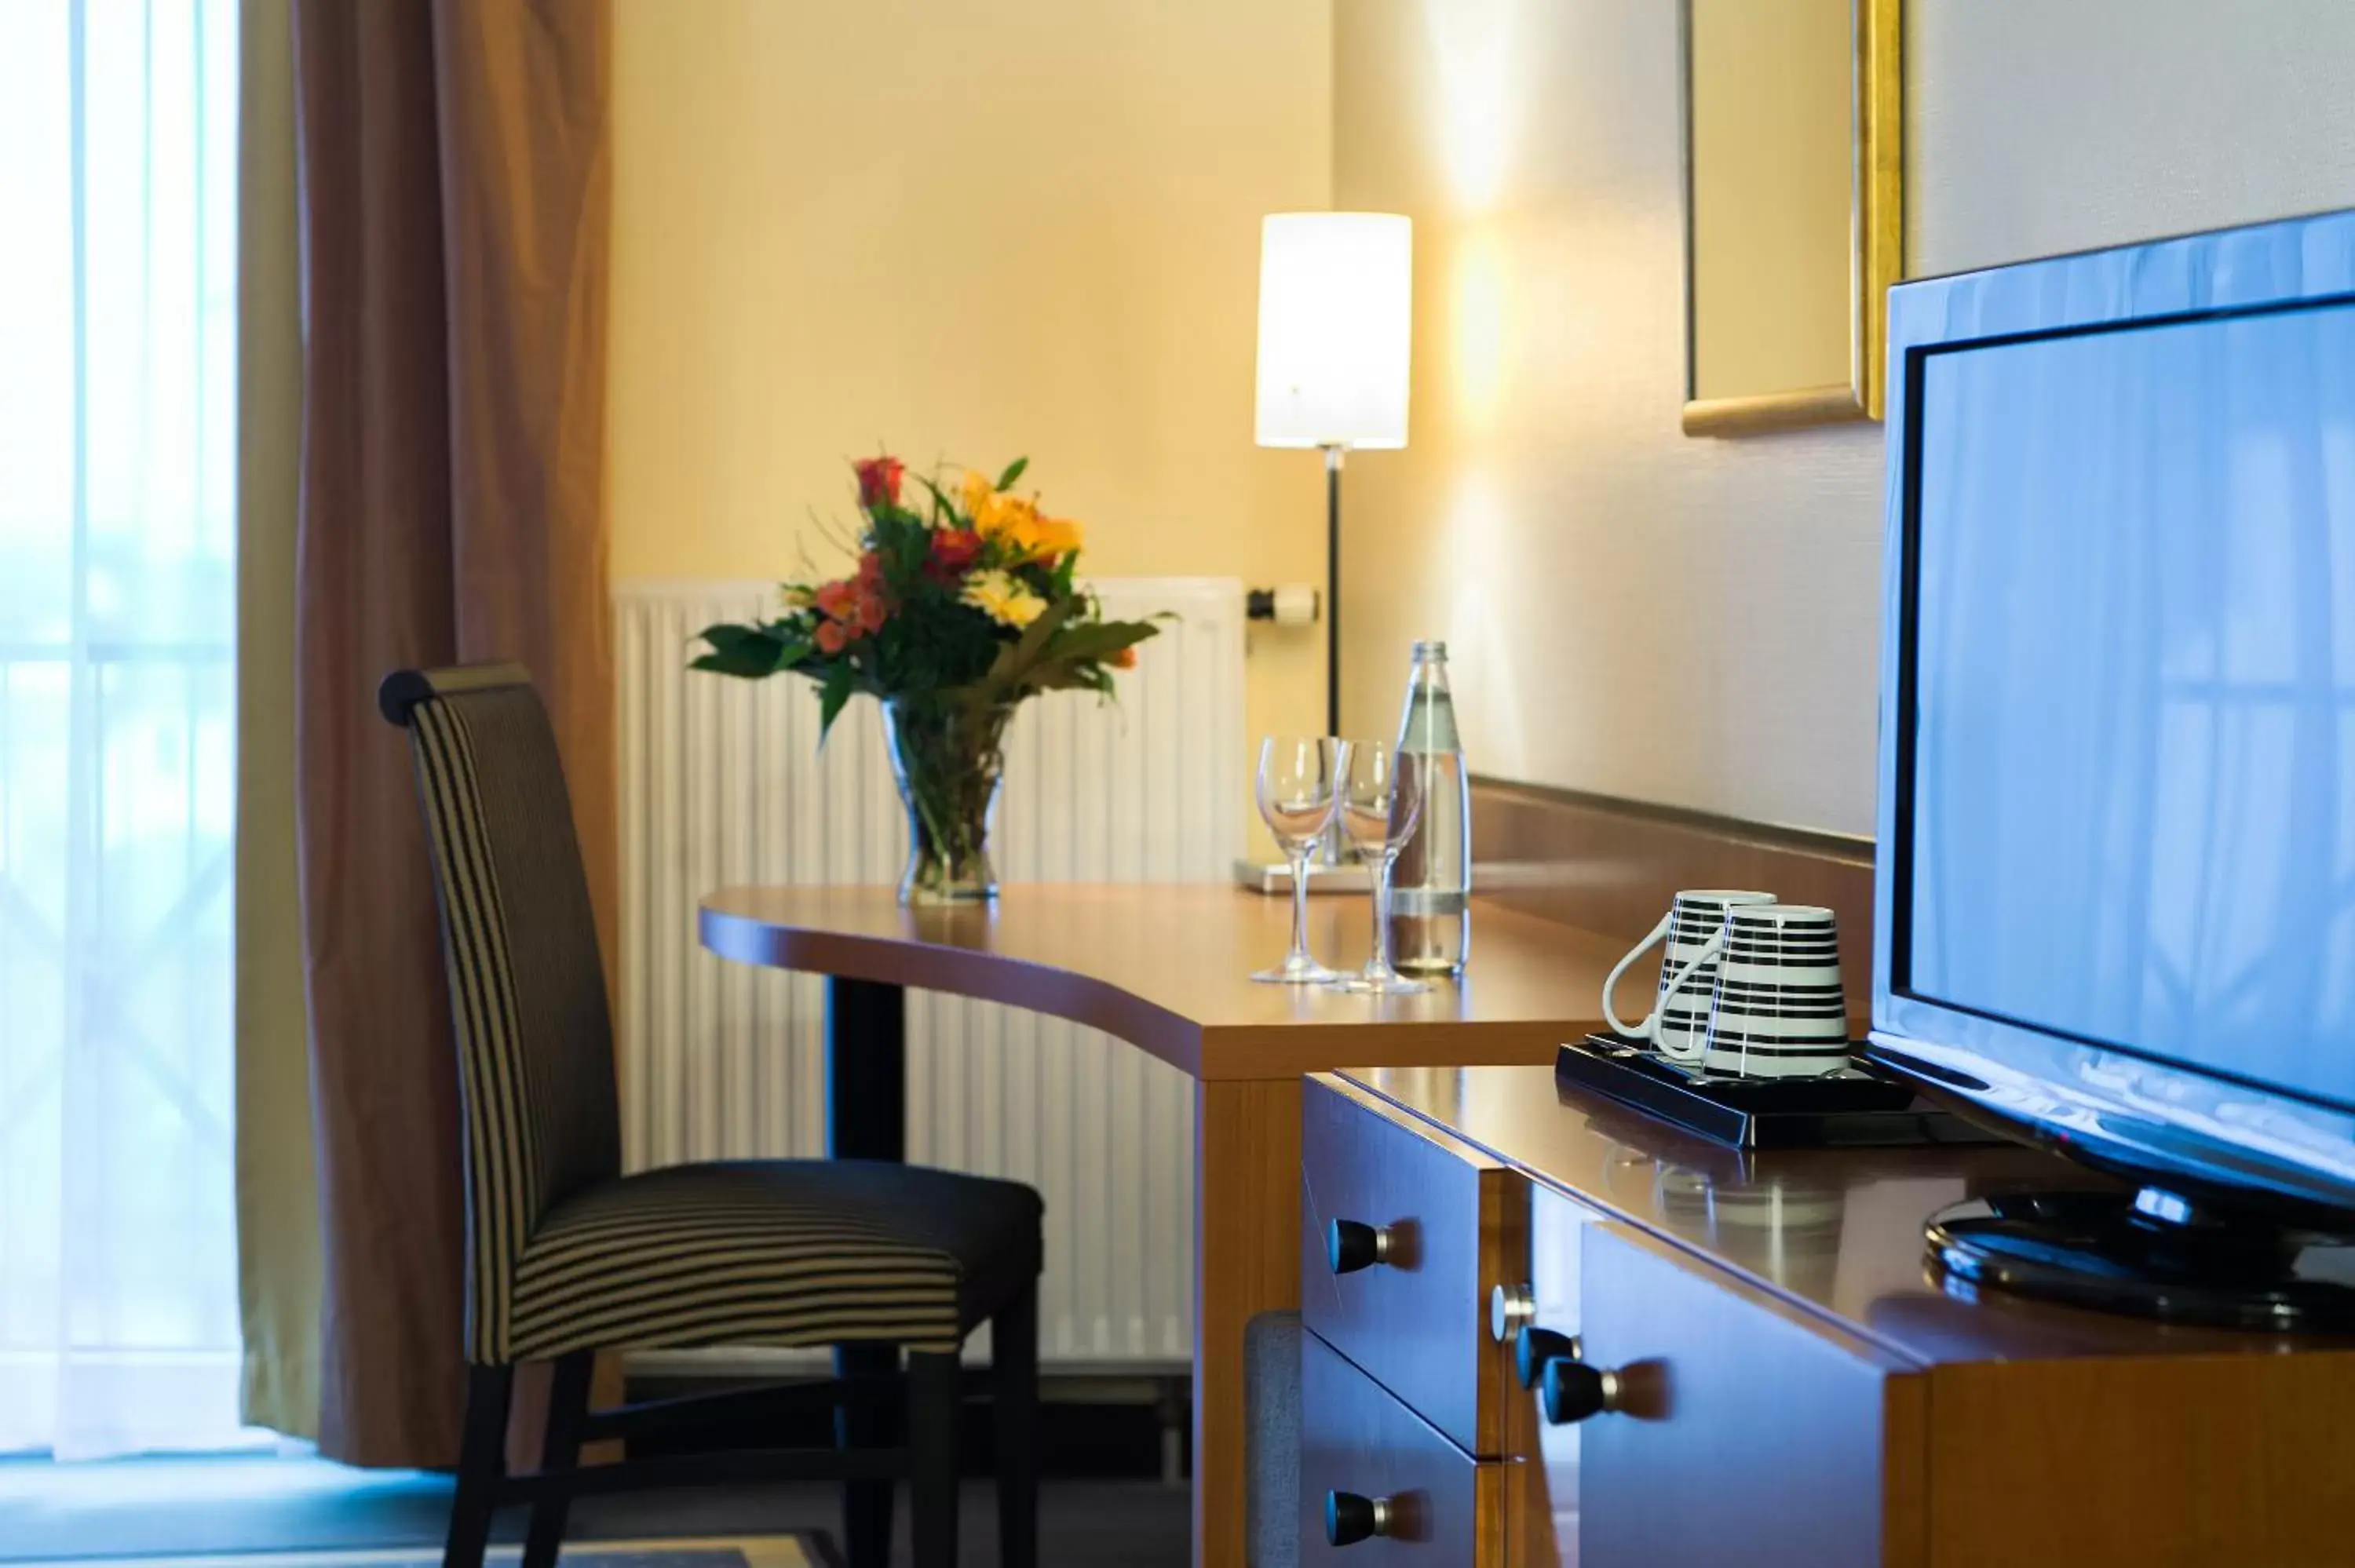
point(1431, 886)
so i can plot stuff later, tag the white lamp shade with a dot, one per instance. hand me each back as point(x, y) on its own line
point(1335, 302)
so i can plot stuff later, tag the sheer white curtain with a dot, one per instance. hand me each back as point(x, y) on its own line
point(117, 1287)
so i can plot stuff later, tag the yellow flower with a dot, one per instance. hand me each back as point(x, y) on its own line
point(1027, 532)
point(1053, 537)
point(975, 493)
point(796, 596)
point(998, 515)
point(1003, 600)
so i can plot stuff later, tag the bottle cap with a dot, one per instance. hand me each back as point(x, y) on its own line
point(1431, 650)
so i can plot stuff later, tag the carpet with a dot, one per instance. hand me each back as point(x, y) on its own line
point(765, 1552)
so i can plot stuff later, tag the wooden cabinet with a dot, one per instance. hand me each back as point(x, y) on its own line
point(1427, 1502)
point(1789, 1384)
point(1437, 1227)
point(1740, 1428)
point(1742, 1431)
point(1544, 1487)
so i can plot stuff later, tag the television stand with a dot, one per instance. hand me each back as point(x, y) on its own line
point(2151, 1253)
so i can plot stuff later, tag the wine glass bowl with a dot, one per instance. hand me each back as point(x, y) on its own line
point(1295, 795)
point(1298, 789)
point(1380, 801)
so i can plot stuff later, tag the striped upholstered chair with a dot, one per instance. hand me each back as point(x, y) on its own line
point(569, 1256)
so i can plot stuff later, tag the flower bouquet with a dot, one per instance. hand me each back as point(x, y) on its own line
point(962, 605)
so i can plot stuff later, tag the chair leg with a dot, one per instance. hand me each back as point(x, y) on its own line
point(1014, 1390)
point(568, 1411)
point(934, 1384)
point(866, 1505)
point(482, 1464)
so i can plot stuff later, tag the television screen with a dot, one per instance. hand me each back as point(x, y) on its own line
point(2133, 758)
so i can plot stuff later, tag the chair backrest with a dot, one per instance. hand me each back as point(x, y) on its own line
point(527, 982)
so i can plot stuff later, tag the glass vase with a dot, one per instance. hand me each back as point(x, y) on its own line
point(947, 758)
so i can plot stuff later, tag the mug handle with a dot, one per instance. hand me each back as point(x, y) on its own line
point(1611, 1015)
point(1709, 949)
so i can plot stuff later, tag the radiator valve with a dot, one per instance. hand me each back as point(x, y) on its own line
point(1294, 604)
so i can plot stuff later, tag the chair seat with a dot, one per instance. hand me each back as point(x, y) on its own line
point(773, 1253)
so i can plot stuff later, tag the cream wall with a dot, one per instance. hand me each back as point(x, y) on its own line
point(2040, 126)
point(1629, 610)
point(969, 230)
point(1639, 613)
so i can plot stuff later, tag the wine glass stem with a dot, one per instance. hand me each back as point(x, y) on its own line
point(1381, 962)
point(1300, 904)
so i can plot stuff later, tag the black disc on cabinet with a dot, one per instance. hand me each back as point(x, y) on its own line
point(2150, 1254)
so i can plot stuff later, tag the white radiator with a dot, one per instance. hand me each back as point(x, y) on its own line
point(722, 782)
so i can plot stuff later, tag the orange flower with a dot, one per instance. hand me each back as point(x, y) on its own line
point(1123, 658)
point(836, 601)
point(851, 607)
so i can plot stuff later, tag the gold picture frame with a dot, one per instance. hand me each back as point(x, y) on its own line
point(1876, 240)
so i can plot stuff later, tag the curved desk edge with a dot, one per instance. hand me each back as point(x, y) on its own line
point(905, 960)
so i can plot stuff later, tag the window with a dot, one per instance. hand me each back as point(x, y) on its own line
point(118, 257)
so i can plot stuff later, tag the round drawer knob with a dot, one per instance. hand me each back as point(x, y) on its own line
point(1349, 1519)
point(1508, 1311)
point(1569, 1390)
point(1535, 1347)
point(1350, 1246)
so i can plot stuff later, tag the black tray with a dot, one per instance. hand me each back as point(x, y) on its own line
point(1860, 1107)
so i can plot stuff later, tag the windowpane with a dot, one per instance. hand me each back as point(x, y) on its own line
point(118, 1257)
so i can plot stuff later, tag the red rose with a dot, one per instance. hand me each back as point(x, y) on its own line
point(831, 636)
point(878, 481)
point(954, 550)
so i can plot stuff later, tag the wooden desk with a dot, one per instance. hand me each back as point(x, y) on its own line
point(1167, 969)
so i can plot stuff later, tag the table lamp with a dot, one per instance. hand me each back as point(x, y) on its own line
point(1335, 312)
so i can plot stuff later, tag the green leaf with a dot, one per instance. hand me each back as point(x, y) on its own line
point(1012, 667)
point(840, 682)
point(1056, 676)
point(1013, 472)
point(747, 653)
point(942, 506)
point(1098, 638)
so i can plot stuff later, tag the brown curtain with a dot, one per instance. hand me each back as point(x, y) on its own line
point(454, 181)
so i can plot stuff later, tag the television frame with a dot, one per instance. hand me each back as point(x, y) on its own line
point(2207, 1135)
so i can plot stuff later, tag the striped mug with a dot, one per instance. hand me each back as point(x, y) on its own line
point(1777, 1009)
point(1678, 1022)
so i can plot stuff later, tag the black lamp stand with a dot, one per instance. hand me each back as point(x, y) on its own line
point(1330, 866)
point(1333, 588)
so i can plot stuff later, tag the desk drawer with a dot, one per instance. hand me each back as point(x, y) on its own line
point(1438, 1508)
point(1745, 1430)
point(1453, 1226)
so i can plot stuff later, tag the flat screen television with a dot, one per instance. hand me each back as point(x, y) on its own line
point(2115, 905)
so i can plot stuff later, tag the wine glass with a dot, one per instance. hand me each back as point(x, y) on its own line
point(1296, 776)
point(1380, 804)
